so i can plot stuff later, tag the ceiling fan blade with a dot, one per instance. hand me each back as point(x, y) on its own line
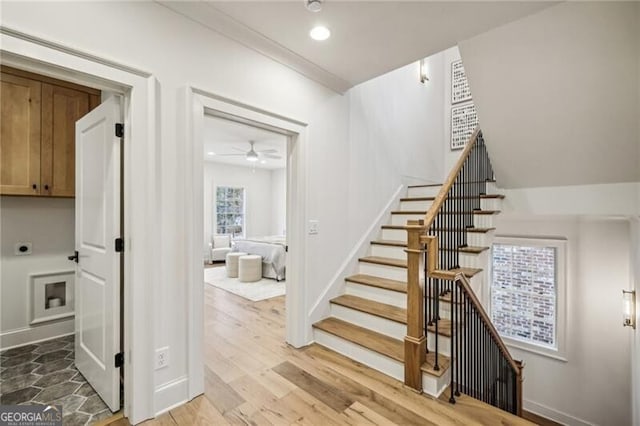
point(275, 157)
point(238, 149)
point(267, 151)
point(230, 155)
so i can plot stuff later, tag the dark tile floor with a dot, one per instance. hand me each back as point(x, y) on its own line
point(44, 373)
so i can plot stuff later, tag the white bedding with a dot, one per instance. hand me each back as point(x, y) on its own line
point(273, 252)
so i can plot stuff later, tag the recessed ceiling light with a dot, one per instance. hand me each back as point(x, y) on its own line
point(320, 33)
point(211, 153)
point(263, 162)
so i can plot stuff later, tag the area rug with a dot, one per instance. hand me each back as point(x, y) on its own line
point(259, 290)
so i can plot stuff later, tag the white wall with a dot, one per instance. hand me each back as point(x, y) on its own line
point(278, 202)
point(594, 385)
point(557, 95)
point(179, 53)
point(258, 197)
point(48, 224)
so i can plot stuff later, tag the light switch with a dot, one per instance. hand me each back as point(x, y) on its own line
point(314, 226)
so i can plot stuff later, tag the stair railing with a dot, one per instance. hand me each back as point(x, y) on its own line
point(435, 243)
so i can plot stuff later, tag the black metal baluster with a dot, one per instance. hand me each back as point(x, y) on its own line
point(436, 366)
point(452, 342)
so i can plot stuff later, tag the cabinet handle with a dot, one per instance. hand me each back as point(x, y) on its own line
point(34, 186)
point(46, 187)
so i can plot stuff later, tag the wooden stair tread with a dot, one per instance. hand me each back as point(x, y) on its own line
point(378, 309)
point(486, 196)
point(379, 343)
point(378, 282)
point(404, 227)
point(444, 327)
point(443, 363)
point(476, 230)
point(366, 338)
point(387, 261)
point(393, 243)
point(418, 212)
point(428, 185)
point(467, 249)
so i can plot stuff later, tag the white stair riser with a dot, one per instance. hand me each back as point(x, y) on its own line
point(444, 344)
point(388, 251)
point(376, 294)
point(394, 235)
point(372, 322)
point(401, 219)
point(415, 205)
point(483, 220)
point(491, 204)
point(480, 239)
point(434, 386)
point(383, 271)
point(379, 362)
point(423, 191)
point(445, 310)
point(492, 188)
point(471, 260)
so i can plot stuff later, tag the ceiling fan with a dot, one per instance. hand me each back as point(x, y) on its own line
point(253, 155)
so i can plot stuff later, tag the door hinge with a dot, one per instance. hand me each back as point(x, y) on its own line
point(119, 245)
point(119, 359)
point(119, 130)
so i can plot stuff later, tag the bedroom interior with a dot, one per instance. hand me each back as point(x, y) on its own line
point(244, 242)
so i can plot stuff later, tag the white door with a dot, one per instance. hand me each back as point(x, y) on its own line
point(98, 225)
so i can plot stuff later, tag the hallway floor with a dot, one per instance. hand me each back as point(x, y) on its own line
point(253, 377)
point(44, 373)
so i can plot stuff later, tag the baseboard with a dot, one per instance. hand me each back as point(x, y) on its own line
point(24, 336)
point(552, 414)
point(336, 285)
point(170, 395)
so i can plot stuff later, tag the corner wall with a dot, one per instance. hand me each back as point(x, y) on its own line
point(49, 224)
point(598, 347)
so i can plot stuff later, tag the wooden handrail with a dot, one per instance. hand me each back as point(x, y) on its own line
point(446, 186)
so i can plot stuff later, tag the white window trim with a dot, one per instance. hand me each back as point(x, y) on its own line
point(560, 244)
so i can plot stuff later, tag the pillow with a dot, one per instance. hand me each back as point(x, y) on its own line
point(220, 241)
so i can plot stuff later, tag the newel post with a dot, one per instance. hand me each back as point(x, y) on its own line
point(415, 342)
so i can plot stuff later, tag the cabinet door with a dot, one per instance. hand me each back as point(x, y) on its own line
point(19, 135)
point(61, 108)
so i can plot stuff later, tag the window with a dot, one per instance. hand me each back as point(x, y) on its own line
point(230, 210)
point(527, 293)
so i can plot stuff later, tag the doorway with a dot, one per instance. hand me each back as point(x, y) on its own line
point(206, 106)
point(138, 88)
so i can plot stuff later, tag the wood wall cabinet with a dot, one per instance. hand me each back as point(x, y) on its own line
point(37, 145)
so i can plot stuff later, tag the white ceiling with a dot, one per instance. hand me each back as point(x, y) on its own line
point(369, 38)
point(229, 137)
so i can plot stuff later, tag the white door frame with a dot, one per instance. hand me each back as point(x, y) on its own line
point(197, 104)
point(141, 212)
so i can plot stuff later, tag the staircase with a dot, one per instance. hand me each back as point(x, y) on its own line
point(370, 322)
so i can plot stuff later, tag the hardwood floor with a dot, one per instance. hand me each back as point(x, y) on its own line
point(253, 377)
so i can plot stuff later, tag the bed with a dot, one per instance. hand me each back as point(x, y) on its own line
point(273, 250)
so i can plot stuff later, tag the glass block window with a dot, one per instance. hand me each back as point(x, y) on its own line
point(525, 292)
point(230, 211)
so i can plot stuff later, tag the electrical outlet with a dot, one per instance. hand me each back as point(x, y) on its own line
point(22, 249)
point(162, 357)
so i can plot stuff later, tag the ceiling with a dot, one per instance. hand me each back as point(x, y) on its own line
point(229, 137)
point(368, 38)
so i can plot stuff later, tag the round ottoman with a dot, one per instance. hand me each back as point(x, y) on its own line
point(250, 268)
point(231, 262)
